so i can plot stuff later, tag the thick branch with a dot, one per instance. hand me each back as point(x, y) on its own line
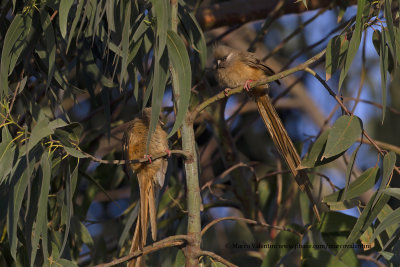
point(241, 11)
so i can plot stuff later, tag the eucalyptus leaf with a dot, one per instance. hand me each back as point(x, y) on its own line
point(343, 134)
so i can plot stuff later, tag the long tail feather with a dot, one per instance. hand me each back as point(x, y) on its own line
point(140, 235)
point(153, 213)
point(285, 146)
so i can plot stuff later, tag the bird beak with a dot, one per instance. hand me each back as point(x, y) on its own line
point(218, 62)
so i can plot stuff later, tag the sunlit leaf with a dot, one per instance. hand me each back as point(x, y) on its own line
point(393, 218)
point(384, 65)
point(316, 151)
point(364, 221)
point(362, 184)
point(389, 162)
point(349, 171)
point(394, 192)
point(343, 134)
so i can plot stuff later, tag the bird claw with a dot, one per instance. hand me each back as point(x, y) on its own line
point(148, 156)
point(226, 91)
point(247, 85)
point(168, 152)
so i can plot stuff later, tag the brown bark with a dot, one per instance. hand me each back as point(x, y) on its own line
point(241, 11)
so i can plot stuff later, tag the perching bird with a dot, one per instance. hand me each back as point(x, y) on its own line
point(150, 175)
point(236, 68)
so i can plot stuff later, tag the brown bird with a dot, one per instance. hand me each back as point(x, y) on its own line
point(150, 175)
point(236, 68)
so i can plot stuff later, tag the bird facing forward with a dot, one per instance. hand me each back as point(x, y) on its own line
point(150, 175)
point(237, 68)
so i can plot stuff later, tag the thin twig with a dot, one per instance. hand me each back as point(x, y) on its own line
point(226, 172)
point(185, 154)
point(208, 226)
point(216, 257)
point(171, 241)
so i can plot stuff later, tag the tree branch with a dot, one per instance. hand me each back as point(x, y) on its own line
point(171, 241)
point(208, 226)
point(185, 154)
point(241, 11)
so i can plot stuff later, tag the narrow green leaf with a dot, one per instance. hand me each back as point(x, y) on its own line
point(58, 78)
point(181, 76)
point(394, 192)
point(77, 17)
point(40, 131)
point(316, 151)
point(90, 68)
point(367, 216)
point(65, 6)
point(354, 42)
point(179, 259)
point(162, 11)
point(389, 23)
point(8, 155)
point(125, 43)
point(21, 175)
point(362, 184)
point(336, 52)
point(382, 215)
point(45, 242)
point(50, 44)
point(110, 15)
point(349, 170)
point(343, 134)
point(195, 34)
point(69, 207)
point(128, 225)
point(41, 217)
point(384, 65)
point(388, 164)
point(343, 204)
point(15, 41)
point(160, 79)
point(393, 218)
point(74, 152)
point(81, 232)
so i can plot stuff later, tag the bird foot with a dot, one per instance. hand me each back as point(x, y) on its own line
point(168, 152)
point(148, 156)
point(226, 91)
point(247, 85)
